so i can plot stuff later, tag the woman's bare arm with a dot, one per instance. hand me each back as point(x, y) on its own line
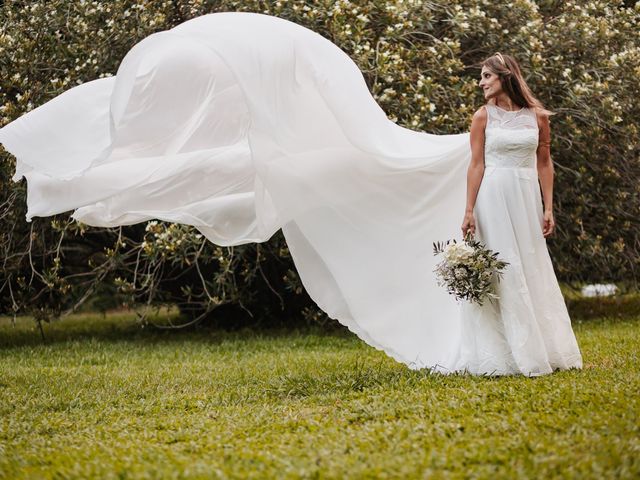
point(475, 171)
point(545, 172)
point(545, 164)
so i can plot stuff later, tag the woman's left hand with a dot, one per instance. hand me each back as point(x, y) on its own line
point(548, 224)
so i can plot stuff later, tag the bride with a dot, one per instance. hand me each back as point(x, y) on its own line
point(241, 124)
point(528, 330)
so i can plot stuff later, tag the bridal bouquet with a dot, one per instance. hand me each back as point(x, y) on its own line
point(467, 269)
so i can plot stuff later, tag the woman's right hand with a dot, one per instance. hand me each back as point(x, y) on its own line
point(468, 224)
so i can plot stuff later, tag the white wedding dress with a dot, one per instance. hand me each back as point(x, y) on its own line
point(528, 329)
point(242, 124)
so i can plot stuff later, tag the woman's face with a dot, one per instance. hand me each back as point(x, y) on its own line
point(490, 83)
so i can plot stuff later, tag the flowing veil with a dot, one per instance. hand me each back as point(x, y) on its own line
point(242, 124)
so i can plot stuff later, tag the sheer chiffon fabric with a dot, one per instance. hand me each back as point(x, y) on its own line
point(242, 124)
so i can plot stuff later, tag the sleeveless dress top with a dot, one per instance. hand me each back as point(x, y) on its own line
point(511, 137)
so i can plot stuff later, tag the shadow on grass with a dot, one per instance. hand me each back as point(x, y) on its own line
point(621, 307)
point(124, 327)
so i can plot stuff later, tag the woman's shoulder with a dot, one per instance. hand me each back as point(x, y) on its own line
point(481, 113)
point(542, 115)
point(479, 119)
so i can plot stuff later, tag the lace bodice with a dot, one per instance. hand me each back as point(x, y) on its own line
point(511, 137)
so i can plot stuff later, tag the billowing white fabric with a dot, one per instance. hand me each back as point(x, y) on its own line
point(241, 124)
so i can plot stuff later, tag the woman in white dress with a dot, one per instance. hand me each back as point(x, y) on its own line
point(241, 124)
point(528, 329)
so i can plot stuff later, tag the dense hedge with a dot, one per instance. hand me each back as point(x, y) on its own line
point(420, 60)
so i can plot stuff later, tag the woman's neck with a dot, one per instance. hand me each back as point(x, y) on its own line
point(504, 102)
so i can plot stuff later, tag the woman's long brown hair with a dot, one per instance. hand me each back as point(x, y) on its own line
point(513, 83)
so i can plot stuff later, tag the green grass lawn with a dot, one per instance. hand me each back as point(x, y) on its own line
point(107, 399)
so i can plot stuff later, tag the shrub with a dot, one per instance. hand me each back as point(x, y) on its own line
point(420, 60)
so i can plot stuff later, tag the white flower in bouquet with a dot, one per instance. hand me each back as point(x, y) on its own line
point(460, 273)
point(457, 252)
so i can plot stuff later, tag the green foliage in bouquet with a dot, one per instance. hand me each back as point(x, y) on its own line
point(469, 270)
